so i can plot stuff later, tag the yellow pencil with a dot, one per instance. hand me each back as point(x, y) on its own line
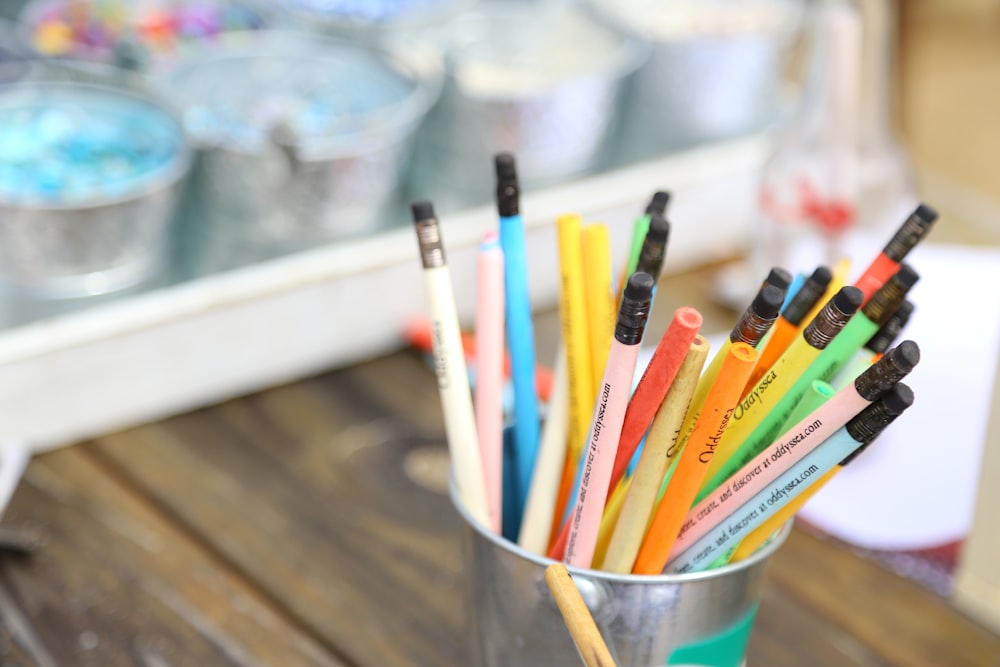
point(839, 278)
point(600, 301)
point(576, 342)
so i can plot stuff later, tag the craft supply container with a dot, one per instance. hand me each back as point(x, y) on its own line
point(367, 21)
point(14, 54)
point(303, 138)
point(89, 180)
point(716, 69)
point(140, 36)
point(702, 618)
point(540, 81)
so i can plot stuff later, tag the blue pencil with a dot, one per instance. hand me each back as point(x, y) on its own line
point(520, 331)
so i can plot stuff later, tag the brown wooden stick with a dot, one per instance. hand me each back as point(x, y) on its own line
point(578, 620)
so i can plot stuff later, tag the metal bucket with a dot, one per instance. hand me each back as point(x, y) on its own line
point(543, 83)
point(716, 68)
point(102, 240)
point(701, 619)
point(271, 177)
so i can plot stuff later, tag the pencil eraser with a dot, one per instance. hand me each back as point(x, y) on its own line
point(848, 299)
point(422, 210)
point(897, 399)
point(925, 213)
point(505, 165)
point(658, 204)
point(903, 313)
point(821, 276)
point(768, 302)
point(659, 227)
point(639, 287)
point(905, 356)
point(779, 277)
point(906, 276)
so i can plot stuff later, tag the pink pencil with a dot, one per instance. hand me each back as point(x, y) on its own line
point(606, 427)
point(489, 371)
point(654, 383)
point(794, 444)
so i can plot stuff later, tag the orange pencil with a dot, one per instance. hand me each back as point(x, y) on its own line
point(690, 471)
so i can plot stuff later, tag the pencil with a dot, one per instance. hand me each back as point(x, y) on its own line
point(606, 427)
point(597, 280)
point(582, 628)
point(753, 324)
point(538, 509)
point(520, 329)
point(659, 450)
point(687, 478)
point(887, 262)
point(489, 372)
point(787, 325)
point(796, 442)
point(761, 403)
point(860, 431)
point(452, 376)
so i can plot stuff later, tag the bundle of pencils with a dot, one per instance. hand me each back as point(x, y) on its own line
point(702, 460)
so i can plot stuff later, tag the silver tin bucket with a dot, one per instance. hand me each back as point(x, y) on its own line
point(699, 619)
point(543, 83)
point(716, 68)
point(289, 189)
point(100, 244)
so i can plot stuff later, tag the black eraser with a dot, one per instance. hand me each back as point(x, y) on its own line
point(925, 213)
point(897, 399)
point(639, 286)
point(768, 301)
point(848, 299)
point(821, 276)
point(505, 166)
point(422, 210)
point(659, 202)
point(906, 276)
point(659, 226)
point(779, 277)
point(905, 356)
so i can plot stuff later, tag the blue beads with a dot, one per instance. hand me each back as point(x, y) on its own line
point(57, 149)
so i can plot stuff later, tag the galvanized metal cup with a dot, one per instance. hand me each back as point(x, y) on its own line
point(716, 68)
point(542, 82)
point(701, 619)
point(273, 179)
point(97, 244)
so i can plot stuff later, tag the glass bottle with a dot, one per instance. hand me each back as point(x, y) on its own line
point(838, 178)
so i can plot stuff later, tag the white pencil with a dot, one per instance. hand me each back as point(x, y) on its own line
point(449, 364)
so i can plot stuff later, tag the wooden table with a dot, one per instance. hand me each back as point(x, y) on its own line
point(308, 524)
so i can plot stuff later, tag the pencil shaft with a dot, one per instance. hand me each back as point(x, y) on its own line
point(609, 413)
point(521, 342)
point(537, 519)
point(600, 299)
point(708, 430)
point(582, 628)
point(489, 373)
point(659, 450)
point(456, 398)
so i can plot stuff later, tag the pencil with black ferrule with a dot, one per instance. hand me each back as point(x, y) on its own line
point(449, 365)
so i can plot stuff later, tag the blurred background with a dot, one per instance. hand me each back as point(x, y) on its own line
point(210, 189)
